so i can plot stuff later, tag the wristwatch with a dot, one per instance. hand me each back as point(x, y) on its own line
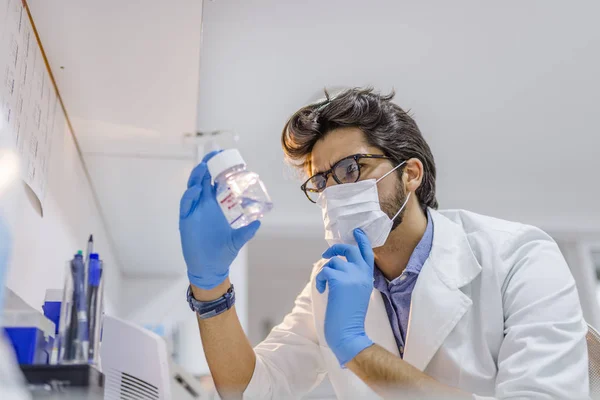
point(209, 309)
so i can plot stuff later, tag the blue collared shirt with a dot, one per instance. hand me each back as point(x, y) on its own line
point(397, 293)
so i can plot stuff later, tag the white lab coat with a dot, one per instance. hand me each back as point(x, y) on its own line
point(494, 312)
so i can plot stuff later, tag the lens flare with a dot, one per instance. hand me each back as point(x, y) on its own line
point(9, 169)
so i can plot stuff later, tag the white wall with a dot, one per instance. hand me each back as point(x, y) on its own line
point(42, 245)
point(279, 266)
point(151, 300)
point(506, 93)
point(578, 254)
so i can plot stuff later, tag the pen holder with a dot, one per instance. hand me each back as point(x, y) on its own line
point(73, 341)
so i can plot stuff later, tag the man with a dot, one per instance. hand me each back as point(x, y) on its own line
point(407, 300)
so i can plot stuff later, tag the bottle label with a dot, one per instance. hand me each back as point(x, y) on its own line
point(230, 205)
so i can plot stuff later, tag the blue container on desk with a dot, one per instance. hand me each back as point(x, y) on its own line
point(31, 335)
point(51, 306)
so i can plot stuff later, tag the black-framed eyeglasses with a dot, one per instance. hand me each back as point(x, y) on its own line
point(346, 170)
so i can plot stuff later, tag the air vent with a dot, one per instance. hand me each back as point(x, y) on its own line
point(123, 386)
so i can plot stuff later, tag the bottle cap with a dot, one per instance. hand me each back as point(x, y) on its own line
point(223, 161)
point(94, 256)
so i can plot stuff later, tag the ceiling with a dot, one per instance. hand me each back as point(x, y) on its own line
point(506, 94)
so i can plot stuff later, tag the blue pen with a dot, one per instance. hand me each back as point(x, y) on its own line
point(94, 275)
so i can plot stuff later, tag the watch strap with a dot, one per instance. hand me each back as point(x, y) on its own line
point(209, 309)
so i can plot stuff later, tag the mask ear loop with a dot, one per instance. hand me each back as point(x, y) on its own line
point(409, 193)
point(390, 171)
point(403, 205)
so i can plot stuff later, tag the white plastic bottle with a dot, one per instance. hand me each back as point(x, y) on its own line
point(240, 193)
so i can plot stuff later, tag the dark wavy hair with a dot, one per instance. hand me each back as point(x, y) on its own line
point(385, 125)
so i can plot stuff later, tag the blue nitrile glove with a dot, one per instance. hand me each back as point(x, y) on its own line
point(209, 243)
point(350, 285)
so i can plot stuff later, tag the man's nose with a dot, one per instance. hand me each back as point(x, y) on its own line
point(330, 181)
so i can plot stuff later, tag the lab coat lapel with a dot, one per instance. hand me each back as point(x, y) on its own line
point(437, 303)
point(377, 324)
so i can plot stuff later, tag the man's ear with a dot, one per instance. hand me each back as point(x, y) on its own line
point(413, 174)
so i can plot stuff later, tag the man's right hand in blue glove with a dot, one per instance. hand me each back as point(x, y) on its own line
point(209, 243)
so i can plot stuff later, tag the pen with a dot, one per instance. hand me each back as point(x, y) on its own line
point(89, 250)
point(90, 247)
point(71, 315)
point(95, 274)
point(80, 338)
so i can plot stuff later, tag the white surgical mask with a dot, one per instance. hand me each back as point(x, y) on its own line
point(349, 206)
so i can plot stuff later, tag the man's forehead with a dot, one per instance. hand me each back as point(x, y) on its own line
point(337, 144)
point(324, 163)
point(335, 157)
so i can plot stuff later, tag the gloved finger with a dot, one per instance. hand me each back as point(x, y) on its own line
point(242, 235)
point(207, 188)
point(326, 275)
point(338, 264)
point(197, 174)
point(201, 169)
point(189, 201)
point(364, 245)
point(210, 155)
point(351, 253)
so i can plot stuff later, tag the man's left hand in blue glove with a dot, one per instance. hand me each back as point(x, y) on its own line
point(350, 285)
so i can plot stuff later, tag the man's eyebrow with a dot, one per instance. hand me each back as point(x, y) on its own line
point(328, 168)
point(332, 164)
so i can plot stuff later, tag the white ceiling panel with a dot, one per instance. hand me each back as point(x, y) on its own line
point(132, 62)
